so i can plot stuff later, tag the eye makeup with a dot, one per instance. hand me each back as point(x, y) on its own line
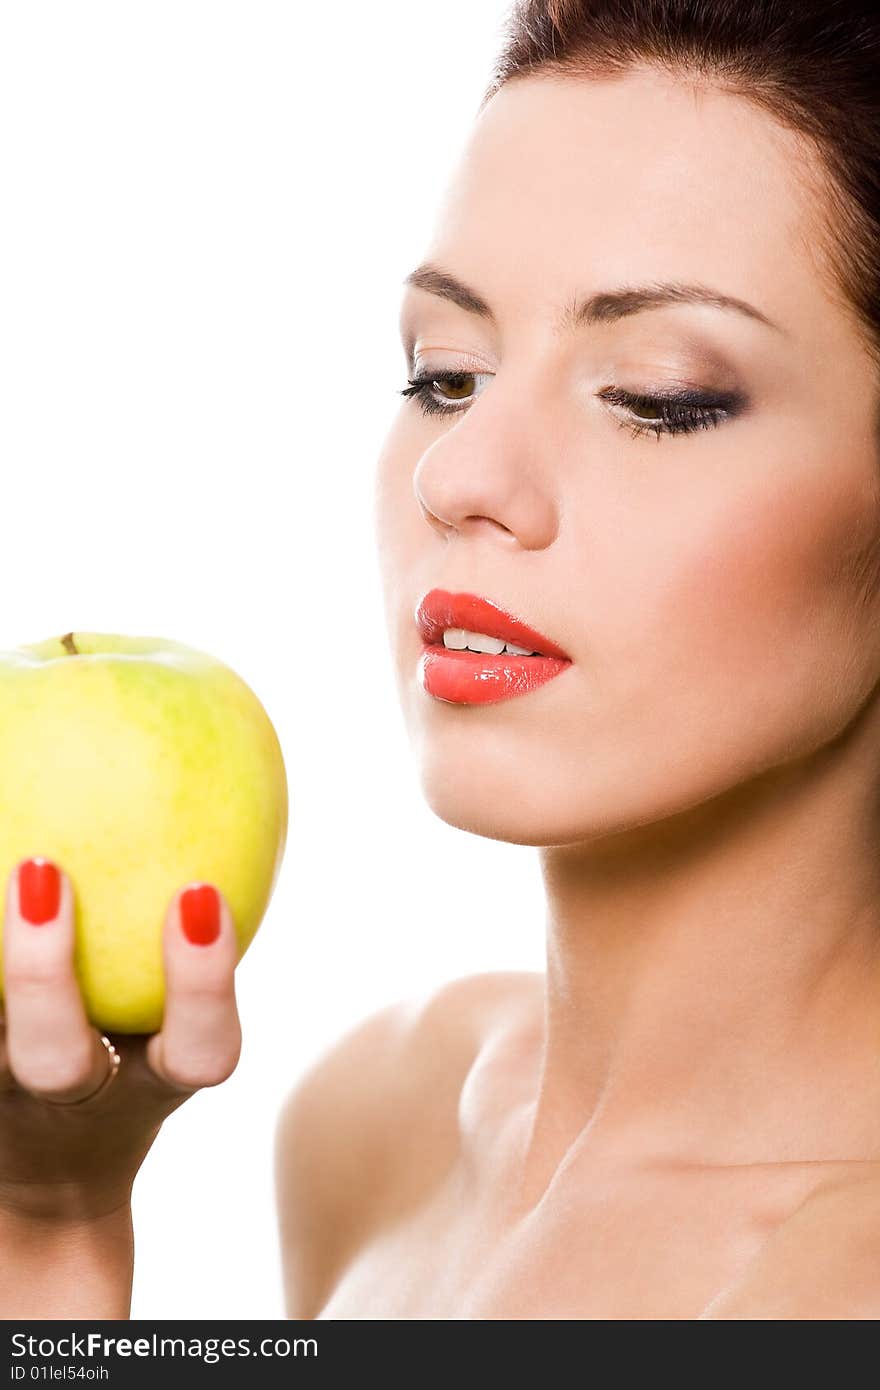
point(676, 411)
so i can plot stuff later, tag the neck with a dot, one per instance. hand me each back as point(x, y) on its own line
point(713, 980)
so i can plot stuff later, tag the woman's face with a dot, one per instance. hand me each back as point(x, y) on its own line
point(713, 588)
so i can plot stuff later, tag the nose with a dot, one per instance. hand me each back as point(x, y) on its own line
point(479, 476)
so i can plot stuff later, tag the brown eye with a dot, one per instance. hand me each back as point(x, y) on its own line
point(445, 393)
point(648, 412)
point(674, 412)
point(454, 385)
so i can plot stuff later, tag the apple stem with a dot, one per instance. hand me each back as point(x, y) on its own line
point(68, 644)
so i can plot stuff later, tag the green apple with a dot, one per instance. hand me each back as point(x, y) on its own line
point(138, 765)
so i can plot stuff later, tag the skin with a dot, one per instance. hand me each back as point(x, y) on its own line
point(681, 1117)
point(66, 1172)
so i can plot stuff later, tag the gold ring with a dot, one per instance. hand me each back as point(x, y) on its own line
point(115, 1063)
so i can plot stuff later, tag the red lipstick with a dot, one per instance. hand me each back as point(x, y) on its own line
point(477, 678)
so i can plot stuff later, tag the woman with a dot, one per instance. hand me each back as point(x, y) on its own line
point(639, 440)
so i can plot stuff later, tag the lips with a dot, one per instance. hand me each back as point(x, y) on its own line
point(466, 677)
point(439, 610)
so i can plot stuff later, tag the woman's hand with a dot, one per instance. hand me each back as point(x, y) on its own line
point(77, 1162)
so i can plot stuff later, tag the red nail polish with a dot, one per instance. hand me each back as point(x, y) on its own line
point(39, 891)
point(200, 914)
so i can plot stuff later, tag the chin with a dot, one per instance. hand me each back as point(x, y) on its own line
point(506, 802)
point(502, 793)
point(539, 791)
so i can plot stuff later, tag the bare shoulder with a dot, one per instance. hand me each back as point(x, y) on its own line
point(822, 1263)
point(371, 1125)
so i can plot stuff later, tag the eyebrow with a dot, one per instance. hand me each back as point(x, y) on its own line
point(605, 306)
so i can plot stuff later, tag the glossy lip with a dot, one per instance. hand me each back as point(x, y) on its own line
point(481, 678)
point(439, 609)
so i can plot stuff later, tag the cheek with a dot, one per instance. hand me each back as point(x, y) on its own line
point(747, 602)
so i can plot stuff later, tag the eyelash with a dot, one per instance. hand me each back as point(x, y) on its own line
point(680, 412)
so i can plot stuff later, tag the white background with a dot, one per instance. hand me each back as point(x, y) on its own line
point(208, 210)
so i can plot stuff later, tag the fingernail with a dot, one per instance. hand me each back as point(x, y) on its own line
point(200, 914)
point(39, 891)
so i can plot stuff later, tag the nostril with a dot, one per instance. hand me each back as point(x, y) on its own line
point(477, 523)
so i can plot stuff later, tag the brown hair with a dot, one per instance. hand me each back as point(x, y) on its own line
point(812, 64)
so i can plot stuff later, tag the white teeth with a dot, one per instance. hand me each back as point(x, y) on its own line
point(459, 639)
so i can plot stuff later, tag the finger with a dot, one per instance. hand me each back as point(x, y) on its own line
point(52, 1050)
point(7, 1080)
point(200, 1040)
